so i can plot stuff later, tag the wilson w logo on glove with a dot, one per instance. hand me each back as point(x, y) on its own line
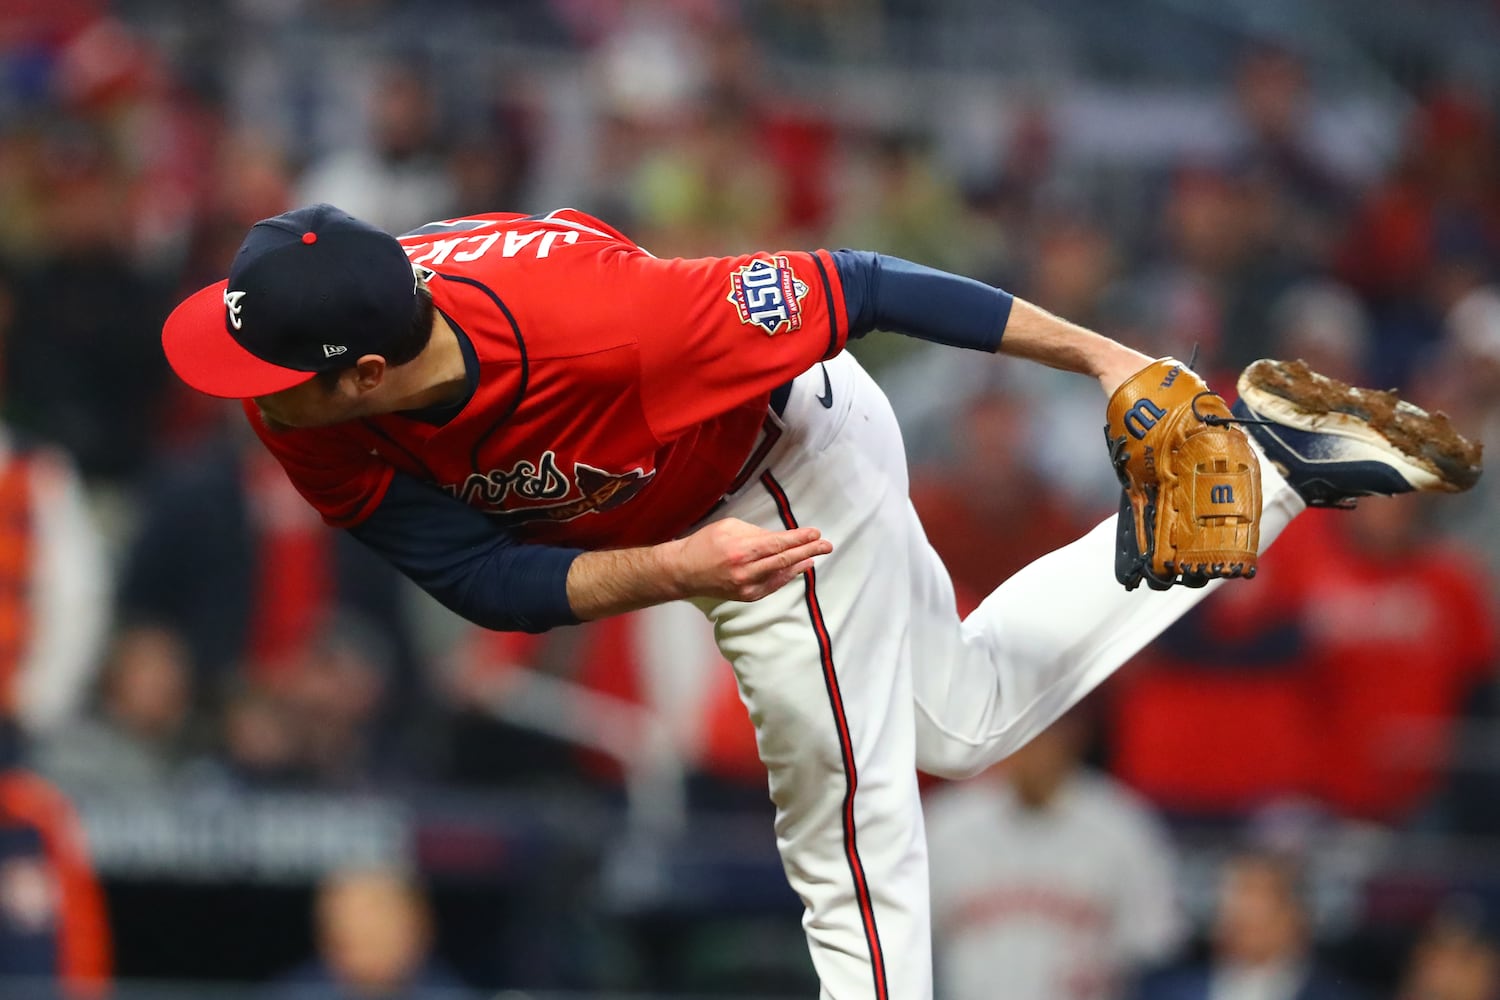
point(1190, 506)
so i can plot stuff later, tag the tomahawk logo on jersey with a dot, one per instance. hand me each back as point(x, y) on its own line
point(601, 376)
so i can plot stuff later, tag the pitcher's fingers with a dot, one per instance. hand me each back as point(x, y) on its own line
point(791, 573)
point(779, 579)
point(789, 557)
point(800, 568)
point(773, 543)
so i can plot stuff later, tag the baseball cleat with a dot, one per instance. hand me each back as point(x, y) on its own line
point(1334, 442)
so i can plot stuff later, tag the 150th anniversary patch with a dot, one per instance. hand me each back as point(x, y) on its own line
point(767, 294)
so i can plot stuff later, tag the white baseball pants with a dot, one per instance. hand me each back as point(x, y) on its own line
point(862, 672)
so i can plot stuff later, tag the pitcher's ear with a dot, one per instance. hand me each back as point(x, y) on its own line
point(368, 372)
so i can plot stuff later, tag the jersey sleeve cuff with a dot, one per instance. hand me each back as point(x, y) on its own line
point(838, 311)
point(888, 293)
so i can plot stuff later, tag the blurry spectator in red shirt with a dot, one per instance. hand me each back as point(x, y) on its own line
point(1339, 672)
point(987, 509)
point(1402, 630)
point(53, 616)
point(54, 592)
point(1217, 716)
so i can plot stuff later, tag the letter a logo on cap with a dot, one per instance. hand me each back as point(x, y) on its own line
point(333, 350)
point(232, 303)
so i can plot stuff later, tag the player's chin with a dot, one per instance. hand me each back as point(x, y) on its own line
point(272, 424)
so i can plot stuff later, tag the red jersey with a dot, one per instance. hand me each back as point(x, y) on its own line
point(618, 394)
point(1402, 641)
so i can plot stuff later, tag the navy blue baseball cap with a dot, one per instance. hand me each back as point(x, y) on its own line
point(310, 290)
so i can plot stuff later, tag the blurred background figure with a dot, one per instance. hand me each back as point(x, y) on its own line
point(1428, 233)
point(54, 615)
point(1324, 324)
point(139, 736)
point(1343, 676)
point(1465, 379)
point(374, 940)
point(1403, 632)
point(1301, 194)
point(989, 505)
point(1456, 958)
point(259, 747)
point(1216, 736)
point(269, 577)
point(338, 694)
point(1215, 268)
point(1049, 879)
point(397, 177)
point(83, 315)
point(54, 926)
point(1261, 945)
point(55, 591)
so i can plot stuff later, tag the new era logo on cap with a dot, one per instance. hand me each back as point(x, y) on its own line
point(333, 350)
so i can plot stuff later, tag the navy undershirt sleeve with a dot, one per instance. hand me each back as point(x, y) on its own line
point(458, 555)
point(888, 293)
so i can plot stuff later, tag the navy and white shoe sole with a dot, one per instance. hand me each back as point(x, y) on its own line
point(1335, 442)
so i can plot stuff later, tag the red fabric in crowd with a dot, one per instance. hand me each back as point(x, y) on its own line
point(294, 568)
point(1361, 717)
point(84, 959)
point(1400, 644)
point(1196, 734)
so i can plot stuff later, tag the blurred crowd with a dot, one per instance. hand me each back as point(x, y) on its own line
point(173, 616)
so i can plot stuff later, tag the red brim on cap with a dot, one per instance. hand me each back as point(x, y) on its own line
point(206, 357)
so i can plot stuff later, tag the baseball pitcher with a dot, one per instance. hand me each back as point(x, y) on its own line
point(541, 423)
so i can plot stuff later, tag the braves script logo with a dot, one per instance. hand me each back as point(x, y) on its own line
point(767, 294)
point(543, 480)
point(539, 480)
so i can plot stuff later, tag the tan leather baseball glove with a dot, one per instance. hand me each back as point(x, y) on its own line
point(1191, 505)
